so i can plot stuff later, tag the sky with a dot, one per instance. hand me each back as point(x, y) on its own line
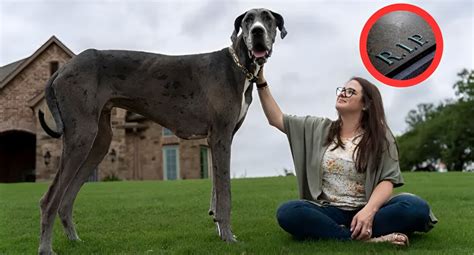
point(320, 53)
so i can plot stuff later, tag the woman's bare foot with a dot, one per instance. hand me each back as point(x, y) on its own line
point(393, 238)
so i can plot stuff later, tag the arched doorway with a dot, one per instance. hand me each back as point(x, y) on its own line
point(17, 156)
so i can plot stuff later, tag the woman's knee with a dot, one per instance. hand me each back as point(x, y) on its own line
point(414, 207)
point(289, 212)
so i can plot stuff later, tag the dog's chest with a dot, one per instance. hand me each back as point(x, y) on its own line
point(245, 105)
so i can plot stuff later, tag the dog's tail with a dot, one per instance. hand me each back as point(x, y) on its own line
point(53, 107)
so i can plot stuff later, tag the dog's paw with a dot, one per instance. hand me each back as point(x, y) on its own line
point(77, 240)
point(230, 238)
point(46, 252)
point(225, 233)
point(74, 238)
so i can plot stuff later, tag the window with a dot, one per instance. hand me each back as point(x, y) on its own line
point(167, 132)
point(204, 162)
point(170, 162)
point(53, 67)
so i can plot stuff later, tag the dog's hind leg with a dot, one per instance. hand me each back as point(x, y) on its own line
point(97, 153)
point(78, 138)
point(47, 218)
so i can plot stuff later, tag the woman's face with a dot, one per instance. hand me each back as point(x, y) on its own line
point(349, 99)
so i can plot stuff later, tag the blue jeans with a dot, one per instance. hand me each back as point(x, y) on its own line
point(303, 219)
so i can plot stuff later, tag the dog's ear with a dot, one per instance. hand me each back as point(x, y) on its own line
point(237, 23)
point(280, 22)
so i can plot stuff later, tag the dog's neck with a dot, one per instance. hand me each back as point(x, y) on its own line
point(243, 54)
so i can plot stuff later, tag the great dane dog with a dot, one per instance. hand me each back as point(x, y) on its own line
point(196, 96)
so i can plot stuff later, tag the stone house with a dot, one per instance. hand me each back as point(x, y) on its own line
point(140, 149)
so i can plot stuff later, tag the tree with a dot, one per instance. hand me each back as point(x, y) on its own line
point(456, 133)
point(444, 132)
point(422, 114)
point(464, 88)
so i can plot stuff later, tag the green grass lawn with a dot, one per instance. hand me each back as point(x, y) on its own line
point(155, 217)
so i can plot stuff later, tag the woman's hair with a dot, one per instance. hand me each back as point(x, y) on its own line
point(373, 123)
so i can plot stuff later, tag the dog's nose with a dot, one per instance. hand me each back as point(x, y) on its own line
point(257, 31)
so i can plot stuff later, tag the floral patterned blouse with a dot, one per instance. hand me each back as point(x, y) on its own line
point(342, 185)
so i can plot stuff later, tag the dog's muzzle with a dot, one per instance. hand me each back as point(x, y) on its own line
point(259, 51)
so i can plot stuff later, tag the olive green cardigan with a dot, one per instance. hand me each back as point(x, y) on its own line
point(307, 136)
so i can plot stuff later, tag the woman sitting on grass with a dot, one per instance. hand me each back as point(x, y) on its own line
point(346, 171)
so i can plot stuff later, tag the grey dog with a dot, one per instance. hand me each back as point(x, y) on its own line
point(196, 96)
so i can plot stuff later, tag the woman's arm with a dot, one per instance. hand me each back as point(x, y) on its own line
point(362, 221)
point(270, 107)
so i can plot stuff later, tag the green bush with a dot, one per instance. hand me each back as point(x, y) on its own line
point(111, 178)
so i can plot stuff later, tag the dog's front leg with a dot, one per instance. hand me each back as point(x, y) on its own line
point(221, 194)
point(212, 207)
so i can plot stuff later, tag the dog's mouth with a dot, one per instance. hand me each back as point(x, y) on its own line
point(260, 54)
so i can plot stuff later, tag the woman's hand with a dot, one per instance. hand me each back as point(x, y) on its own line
point(361, 225)
point(260, 77)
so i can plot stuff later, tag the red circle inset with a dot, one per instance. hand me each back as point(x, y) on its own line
point(365, 56)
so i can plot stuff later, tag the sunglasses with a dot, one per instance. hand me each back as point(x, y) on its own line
point(345, 92)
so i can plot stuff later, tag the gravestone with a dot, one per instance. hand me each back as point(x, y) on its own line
point(401, 45)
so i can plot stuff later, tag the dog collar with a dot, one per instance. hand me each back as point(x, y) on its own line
point(250, 76)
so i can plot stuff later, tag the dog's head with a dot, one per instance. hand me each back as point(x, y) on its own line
point(258, 32)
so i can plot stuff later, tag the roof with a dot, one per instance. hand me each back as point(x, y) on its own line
point(8, 72)
point(7, 69)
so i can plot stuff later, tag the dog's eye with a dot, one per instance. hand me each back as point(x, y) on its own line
point(266, 16)
point(249, 19)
